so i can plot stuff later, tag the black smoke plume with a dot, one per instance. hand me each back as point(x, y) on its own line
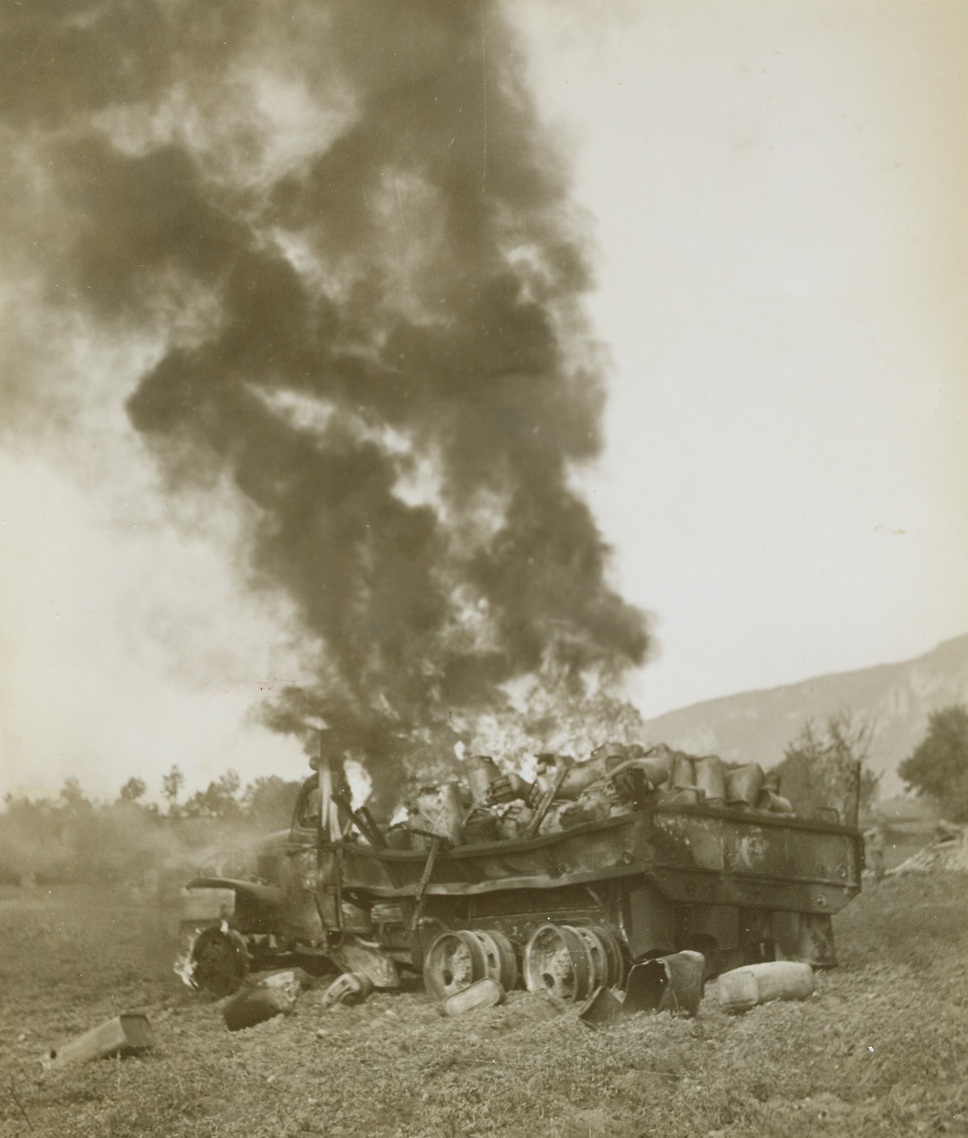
point(350, 239)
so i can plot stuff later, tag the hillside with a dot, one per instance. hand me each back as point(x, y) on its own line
point(896, 698)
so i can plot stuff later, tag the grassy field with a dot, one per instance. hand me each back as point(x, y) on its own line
point(880, 1049)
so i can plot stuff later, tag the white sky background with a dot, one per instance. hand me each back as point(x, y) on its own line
point(778, 196)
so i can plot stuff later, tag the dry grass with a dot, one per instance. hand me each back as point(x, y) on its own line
point(881, 1049)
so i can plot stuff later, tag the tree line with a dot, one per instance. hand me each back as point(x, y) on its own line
point(816, 766)
point(71, 838)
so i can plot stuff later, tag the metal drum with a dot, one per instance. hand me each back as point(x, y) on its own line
point(439, 812)
point(683, 781)
point(711, 779)
point(744, 784)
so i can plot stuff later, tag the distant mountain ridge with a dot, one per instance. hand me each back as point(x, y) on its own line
point(896, 699)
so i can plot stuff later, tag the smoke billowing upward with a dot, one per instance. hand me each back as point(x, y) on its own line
point(350, 239)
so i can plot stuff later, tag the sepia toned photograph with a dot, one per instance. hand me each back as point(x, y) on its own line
point(483, 568)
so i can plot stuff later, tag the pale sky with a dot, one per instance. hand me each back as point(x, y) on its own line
point(777, 195)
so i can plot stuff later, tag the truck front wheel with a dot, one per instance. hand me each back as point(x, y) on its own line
point(219, 961)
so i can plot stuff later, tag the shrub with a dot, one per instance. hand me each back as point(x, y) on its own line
point(819, 767)
point(938, 766)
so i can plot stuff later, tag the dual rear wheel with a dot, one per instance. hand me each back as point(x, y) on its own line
point(565, 961)
point(458, 959)
point(570, 962)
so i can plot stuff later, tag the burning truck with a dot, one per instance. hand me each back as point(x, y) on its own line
point(558, 882)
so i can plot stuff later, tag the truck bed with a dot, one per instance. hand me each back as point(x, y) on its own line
point(691, 854)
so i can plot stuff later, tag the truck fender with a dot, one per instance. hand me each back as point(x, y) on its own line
point(256, 907)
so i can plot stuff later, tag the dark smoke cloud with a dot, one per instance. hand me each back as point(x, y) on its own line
point(386, 351)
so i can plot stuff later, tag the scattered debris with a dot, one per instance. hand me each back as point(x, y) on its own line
point(356, 956)
point(949, 851)
point(128, 1034)
point(481, 994)
point(744, 988)
point(602, 1009)
point(350, 988)
point(273, 995)
point(666, 984)
point(671, 983)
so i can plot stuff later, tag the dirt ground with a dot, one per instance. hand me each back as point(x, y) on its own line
point(880, 1049)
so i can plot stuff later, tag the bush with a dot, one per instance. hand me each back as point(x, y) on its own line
point(73, 840)
point(819, 767)
point(938, 766)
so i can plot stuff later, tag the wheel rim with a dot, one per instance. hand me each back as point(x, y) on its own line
point(613, 954)
point(492, 959)
point(501, 962)
point(453, 962)
point(508, 958)
point(556, 962)
point(597, 960)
